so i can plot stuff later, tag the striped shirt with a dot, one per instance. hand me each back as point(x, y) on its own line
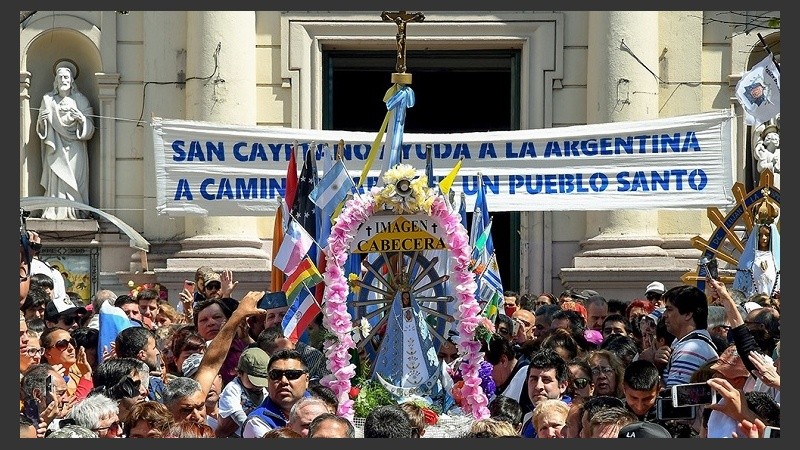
point(688, 354)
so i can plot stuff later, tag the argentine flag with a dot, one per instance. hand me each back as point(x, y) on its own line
point(112, 320)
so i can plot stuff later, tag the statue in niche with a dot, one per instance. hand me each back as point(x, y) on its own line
point(767, 149)
point(65, 128)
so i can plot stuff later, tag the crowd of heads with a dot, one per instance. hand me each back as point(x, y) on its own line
point(209, 364)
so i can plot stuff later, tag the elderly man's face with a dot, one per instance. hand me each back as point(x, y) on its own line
point(191, 408)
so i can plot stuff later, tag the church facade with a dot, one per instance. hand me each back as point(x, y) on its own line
point(278, 68)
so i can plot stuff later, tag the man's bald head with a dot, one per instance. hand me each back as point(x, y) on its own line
point(525, 320)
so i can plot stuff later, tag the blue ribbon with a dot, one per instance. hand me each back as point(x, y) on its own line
point(399, 102)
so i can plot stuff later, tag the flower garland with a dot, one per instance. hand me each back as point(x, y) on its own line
point(336, 318)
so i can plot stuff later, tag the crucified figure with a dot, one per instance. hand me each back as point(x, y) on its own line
point(401, 18)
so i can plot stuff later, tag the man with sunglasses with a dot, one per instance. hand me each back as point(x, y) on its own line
point(288, 383)
point(62, 313)
point(653, 292)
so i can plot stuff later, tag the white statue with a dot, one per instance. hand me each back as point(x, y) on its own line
point(65, 127)
point(767, 150)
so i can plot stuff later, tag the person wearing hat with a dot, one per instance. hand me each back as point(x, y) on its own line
point(62, 313)
point(653, 292)
point(640, 430)
point(244, 393)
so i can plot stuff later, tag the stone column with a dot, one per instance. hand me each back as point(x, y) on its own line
point(622, 247)
point(221, 88)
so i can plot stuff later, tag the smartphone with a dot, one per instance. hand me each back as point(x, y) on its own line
point(712, 268)
point(691, 394)
point(48, 389)
point(272, 300)
point(189, 286)
point(772, 432)
point(665, 410)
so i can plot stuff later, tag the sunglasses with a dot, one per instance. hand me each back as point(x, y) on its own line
point(653, 296)
point(291, 374)
point(68, 321)
point(580, 383)
point(113, 426)
point(214, 286)
point(36, 246)
point(33, 351)
point(64, 343)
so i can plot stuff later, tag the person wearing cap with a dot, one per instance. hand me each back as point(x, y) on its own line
point(640, 430)
point(212, 287)
point(653, 292)
point(244, 393)
point(62, 313)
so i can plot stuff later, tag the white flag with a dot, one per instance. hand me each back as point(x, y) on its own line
point(759, 92)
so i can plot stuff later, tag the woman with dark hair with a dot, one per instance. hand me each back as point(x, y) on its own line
point(562, 342)
point(581, 386)
point(185, 341)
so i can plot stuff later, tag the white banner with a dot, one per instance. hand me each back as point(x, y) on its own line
point(677, 162)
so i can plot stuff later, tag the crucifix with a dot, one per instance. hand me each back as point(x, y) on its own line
point(401, 18)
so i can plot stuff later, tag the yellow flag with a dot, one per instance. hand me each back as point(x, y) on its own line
point(377, 142)
point(447, 182)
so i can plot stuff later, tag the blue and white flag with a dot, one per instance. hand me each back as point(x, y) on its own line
point(332, 188)
point(112, 320)
point(759, 92)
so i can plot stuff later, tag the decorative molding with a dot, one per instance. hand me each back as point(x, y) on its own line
point(540, 36)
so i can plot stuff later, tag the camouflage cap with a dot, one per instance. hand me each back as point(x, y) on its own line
point(73, 431)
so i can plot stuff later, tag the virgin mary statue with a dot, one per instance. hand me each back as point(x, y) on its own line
point(407, 363)
point(759, 268)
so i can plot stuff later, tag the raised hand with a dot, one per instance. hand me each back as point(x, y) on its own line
point(82, 363)
point(765, 371)
point(226, 280)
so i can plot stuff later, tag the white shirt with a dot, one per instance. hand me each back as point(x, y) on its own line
point(59, 287)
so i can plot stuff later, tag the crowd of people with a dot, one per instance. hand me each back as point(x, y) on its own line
point(215, 365)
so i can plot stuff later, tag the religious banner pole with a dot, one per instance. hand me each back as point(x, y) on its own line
point(400, 96)
point(401, 19)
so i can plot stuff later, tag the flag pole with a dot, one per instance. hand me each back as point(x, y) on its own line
point(769, 52)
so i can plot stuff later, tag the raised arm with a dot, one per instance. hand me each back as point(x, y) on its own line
point(218, 349)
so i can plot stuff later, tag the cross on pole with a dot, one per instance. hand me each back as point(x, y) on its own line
point(401, 18)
